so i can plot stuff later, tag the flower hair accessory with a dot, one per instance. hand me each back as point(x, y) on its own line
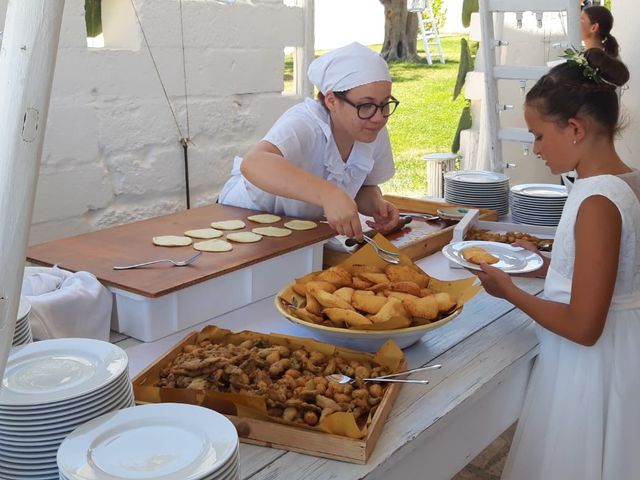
point(578, 58)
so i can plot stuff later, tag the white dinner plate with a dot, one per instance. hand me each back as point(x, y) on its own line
point(154, 441)
point(55, 370)
point(543, 190)
point(512, 259)
point(476, 176)
point(24, 308)
point(38, 426)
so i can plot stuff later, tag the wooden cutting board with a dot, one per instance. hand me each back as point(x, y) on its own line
point(97, 252)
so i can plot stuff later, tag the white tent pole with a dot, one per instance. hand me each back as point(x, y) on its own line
point(27, 62)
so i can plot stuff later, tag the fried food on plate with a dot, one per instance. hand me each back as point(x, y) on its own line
point(478, 255)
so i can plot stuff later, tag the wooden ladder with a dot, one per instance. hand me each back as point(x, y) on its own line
point(425, 15)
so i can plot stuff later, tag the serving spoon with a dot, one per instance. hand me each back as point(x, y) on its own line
point(341, 378)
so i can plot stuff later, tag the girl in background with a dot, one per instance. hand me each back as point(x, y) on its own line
point(580, 419)
point(326, 157)
point(595, 27)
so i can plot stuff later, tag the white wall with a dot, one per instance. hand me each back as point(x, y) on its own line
point(528, 45)
point(626, 32)
point(112, 153)
point(533, 46)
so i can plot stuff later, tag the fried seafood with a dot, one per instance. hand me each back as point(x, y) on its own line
point(292, 382)
point(508, 237)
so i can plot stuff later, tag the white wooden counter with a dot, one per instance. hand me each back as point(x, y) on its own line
point(433, 431)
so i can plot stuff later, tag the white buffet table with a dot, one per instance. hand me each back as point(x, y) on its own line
point(433, 431)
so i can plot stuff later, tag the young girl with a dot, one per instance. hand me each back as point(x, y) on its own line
point(326, 157)
point(580, 419)
point(595, 27)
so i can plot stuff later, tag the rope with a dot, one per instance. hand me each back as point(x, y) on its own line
point(184, 72)
point(184, 141)
point(153, 60)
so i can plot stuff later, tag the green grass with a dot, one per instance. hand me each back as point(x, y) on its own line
point(426, 119)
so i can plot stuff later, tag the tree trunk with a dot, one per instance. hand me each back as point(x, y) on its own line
point(400, 31)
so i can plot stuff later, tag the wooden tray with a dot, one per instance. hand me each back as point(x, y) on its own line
point(277, 435)
point(419, 238)
point(97, 252)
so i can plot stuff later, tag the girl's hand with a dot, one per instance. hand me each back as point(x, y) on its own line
point(385, 216)
point(341, 212)
point(526, 245)
point(495, 281)
point(542, 271)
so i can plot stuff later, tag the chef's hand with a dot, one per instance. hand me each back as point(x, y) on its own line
point(385, 216)
point(495, 281)
point(341, 212)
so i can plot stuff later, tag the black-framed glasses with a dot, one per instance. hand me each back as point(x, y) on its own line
point(368, 110)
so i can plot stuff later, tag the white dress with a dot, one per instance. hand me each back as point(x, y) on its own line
point(303, 135)
point(581, 417)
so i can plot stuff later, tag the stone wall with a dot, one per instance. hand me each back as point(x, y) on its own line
point(112, 153)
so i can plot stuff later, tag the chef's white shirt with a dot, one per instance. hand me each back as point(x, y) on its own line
point(303, 135)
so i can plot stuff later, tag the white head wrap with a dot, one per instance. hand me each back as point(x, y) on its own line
point(347, 67)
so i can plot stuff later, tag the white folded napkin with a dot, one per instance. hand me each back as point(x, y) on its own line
point(66, 304)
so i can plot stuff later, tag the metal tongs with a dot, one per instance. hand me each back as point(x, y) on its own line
point(423, 216)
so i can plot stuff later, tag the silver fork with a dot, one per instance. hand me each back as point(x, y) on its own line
point(386, 255)
point(177, 263)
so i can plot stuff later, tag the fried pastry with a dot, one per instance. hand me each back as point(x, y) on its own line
point(403, 273)
point(345, 293)
point(425, 307)
point(367, 301)
point(336, 275)
point(329, 300)
point(478, 255)
point(350, 317)
point(444, 300)
point(391, 309)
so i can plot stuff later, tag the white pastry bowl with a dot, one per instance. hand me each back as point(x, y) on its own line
point(363, 340)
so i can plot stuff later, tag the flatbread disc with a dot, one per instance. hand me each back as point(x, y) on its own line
point(301, 225)
point(272, 231)
point(264, 218)
point(171, 241)
point(205, 233)
point(229, 224)
point(215, 245)
point(244, 237)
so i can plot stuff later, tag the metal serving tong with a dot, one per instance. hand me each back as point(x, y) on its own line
point(340, 378)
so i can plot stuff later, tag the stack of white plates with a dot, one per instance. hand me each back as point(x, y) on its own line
point(538, 203)
point(49, 389)
point(170, 441)
point(22, 333)
point(478, 189)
